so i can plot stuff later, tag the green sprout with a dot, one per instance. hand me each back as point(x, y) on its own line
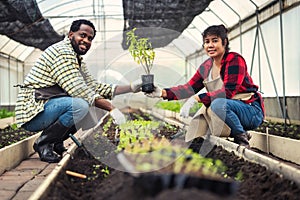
point(239, 176)
point(105, 171)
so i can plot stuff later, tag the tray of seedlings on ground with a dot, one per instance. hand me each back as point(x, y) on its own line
point(175, 106)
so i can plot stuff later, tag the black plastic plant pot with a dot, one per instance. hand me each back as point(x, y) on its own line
point(152, 183)
point(147, 83)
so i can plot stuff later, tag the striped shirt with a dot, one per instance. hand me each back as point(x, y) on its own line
point(58, 64)
point(235, 78)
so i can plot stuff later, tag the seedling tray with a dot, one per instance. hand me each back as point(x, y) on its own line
point(153, 183)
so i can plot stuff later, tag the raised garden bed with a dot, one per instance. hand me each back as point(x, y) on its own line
point(288, 130)
point(15, 146)
point(11, 134)
point(11, 155)
point(276, 128)
point(104, 182)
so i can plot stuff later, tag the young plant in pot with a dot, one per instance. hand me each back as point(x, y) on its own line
point(142, 52)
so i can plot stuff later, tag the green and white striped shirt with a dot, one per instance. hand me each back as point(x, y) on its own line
point(58, 64)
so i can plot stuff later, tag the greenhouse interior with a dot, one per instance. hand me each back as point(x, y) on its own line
point(149, 99)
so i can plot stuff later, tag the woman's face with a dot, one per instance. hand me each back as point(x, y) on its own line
point(213, 46)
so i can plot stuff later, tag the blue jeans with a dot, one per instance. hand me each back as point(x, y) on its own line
point(238, 115)
point(67, 110)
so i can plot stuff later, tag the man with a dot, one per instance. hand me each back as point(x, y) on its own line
point(58, 93)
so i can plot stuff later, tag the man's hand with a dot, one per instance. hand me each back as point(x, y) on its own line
point(136, 86)
point(118, 117)
point(157, 93)
point(185, 110)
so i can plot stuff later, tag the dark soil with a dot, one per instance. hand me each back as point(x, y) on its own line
point(256, 181)
point(11, 135)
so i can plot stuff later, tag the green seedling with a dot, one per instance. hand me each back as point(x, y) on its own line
point(141, 50)
point(105, 171)
point(239, 176)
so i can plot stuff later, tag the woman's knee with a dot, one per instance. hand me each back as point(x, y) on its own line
point(218, 105)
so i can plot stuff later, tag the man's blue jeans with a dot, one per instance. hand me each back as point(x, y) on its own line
point(238, 115)
point(67, 110)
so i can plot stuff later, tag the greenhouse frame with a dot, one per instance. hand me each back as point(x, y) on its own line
point(264, 32)
point(259, 30)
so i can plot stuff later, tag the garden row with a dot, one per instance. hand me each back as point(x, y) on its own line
point(142, 160)
point(271, 137)
point(9, 133)
point(107, 169)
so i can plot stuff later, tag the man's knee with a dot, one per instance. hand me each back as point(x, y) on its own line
point(81, 105)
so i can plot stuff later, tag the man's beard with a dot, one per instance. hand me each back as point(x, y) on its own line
point(76, 47)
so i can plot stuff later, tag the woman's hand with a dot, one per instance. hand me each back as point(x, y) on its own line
point(185, 110)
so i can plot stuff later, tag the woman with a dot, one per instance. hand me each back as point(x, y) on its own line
point(229, 71)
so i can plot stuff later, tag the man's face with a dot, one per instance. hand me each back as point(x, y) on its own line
point(81, 40)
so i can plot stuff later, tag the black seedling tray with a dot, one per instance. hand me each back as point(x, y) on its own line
point(153, 183)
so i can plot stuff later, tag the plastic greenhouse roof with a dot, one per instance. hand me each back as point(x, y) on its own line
point(107, 15)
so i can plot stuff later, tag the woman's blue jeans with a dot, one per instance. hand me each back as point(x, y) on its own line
point(238, 115)
point(67, 110)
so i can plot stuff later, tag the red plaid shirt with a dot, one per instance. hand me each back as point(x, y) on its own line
point(235, 78)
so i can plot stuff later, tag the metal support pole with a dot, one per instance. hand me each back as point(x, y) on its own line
point(282, 64)
point(269, 65)
point(185, 67)
point(254, 47)
point(8, 69)
point(258, 52)
point(270, 69)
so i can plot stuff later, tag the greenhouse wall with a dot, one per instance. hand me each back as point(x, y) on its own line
point(270, 77)
point(273, 110)
point(11, 73)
